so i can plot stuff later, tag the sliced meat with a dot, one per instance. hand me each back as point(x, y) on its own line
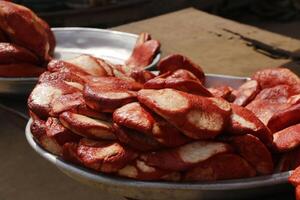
point(295, 99)
point(42, 96)
point(86, 126)
point(38, 128)
point(65, 76)
point(269, 101)
point(246, 92)
point(224, 92)
point(135, 139)
point(66, 67)
point(143, 52)
point(106, 95)
point(180, 79)
point(69, 153)
point(66, 102)
point(177, 61)
point(89, 65)
point(197, 117)
point(289, 160)
point(20, 70)
point(56, 131)
point(142, 76)
point(104, 156)
point(285, 118)
point(134, 116)
point(287, 139)
point(12, 54)
point(221, 167)
point(268, 78)
point(254, 152)
point(243, 121)
point(16, 18)
point(186, 156)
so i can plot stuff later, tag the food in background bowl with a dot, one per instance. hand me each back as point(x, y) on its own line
point(26, 42)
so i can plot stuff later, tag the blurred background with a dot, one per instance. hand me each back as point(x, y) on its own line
point(281, 16)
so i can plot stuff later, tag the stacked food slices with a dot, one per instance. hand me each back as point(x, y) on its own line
point(129, 122)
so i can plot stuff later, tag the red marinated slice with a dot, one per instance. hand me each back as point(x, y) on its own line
point(295, 99)
point(51, 145)
point(186, 156)
point(295, 177)
point(42, 96)
point(12, 54)
point(56, 131)
point(277, 76)
point(66, 102)
point(66, 76)
point(246, 93)
point(63, 66)
point(20, 70)
point(180, 79)
point(90, 65)
point(69, 152)
point(135, 139)
point(243, 121)
point(288, 138)
point(167, 135)
point(197, 117)
point(224, 92)
point(253, 151)
point(221, 167)
point(108, 94)
point(104, 156)
point(38, 128)
point(104, 100)
point(285, 118)
point(141, 76)
point(143, 53)
point(289, 160)
point(75, 103)
point(269, 101)
point(87, 111)
point(134, 116)
point(176, 61)
point(86, 126)
point(139, 170)
point(114, 83)
point(38, 36)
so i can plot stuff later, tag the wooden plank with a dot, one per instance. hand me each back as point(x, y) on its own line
point(202, 37)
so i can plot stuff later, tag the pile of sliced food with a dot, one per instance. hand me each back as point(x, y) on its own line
point(26, 42)
point(130, 122)
point(169, 126)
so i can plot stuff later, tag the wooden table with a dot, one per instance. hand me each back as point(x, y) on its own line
point(200, 36)
point(203, 38)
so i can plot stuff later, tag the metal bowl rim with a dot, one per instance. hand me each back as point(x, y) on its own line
point(34, 79)
point(261, 181)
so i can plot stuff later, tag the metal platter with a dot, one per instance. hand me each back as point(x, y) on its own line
point(250, 188)
point(113, 46)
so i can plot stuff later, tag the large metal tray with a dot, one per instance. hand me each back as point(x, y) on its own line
point(111, 45)
point(251, 188)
